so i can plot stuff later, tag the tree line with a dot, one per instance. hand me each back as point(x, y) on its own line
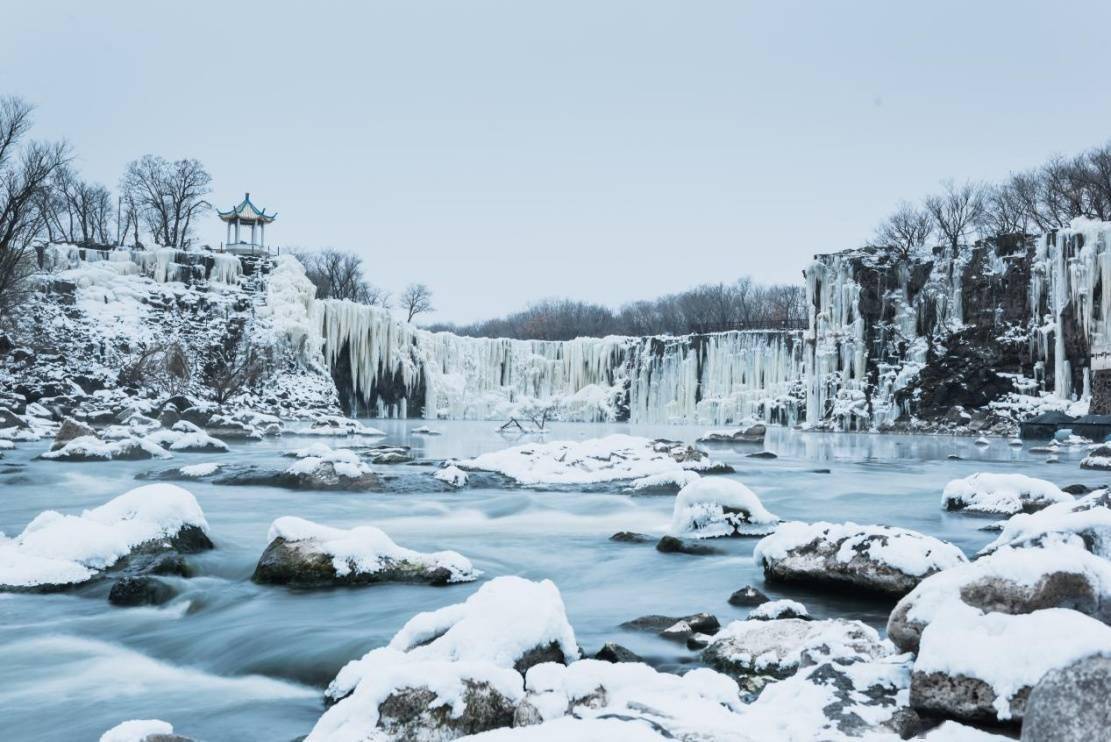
point(1035, 201)
point(740, 305)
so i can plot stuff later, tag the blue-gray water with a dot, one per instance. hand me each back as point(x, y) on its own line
point(228, 659)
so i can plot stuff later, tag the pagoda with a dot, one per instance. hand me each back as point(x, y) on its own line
point(243, 214)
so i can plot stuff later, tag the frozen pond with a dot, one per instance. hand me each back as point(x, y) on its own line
point(228, 659)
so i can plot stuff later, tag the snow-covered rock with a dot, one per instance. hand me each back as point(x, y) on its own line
point(335, 425)
point(597, 460)
point(773, 609)
point(318, 467)
point(451, 671)
point(91, 448)
point(185, 437)
point(69, 430)
point(1001, 494)
point(712, 507)
point(667, 482)
point(451, 475)
point(779, 647)
point(141, 730)
point(56, 551)
point(1098, 458)
point(197, 471)
point(1085, 522)
point(1009, 580)
point(424, 430)
point(305, 554)
point(881, 559)
point(981, 667)
point(751, 432)
point(1071, 704)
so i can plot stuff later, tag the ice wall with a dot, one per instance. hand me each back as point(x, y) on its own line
point(391, 368)
point(163, 264)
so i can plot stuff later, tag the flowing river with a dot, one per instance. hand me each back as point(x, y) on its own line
point(228, 659)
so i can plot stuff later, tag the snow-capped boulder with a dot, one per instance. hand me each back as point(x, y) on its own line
point(335, 425)
point(1071, 704)
point(672, 545)
point(982, 667)
point(1001, 494)
point(879, 559)
point(454, 671)
point(1011, 581)
point(773, 609)
point(668, 482)
point(56, 551)
point(451, 475)
point(185, 437)
point(1099, 458)
point(424, 430)
point(747, 596)
point(614, 458)
point(779, 647)
point(384, 455)
point(305, 554)
point(142, 730)
point(69, 430)
point(1085, 522)
point(748, 433)
point(91, 448)
point(714, 507)
point(700, 704)
point(317, 467)
point(701, 623)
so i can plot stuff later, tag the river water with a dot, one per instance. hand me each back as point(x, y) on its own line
point(228, 659)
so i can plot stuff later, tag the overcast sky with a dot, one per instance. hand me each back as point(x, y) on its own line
point(502, 152)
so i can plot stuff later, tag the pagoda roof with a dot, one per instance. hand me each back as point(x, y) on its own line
point(247, 212)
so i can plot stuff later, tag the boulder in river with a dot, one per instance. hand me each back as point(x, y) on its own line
point(1001, 494)
point(752, 432)
point(613, 652)
point(304, 554)
point(1099, 458)
point(140, 590)
point(631, 537)
point(712, 507)
point(672, 545)
point(776, 609)
point(702, 623)
point(1011, 581)
point(69, 430)
point(1085, 522)
point(1072, 704)
point(747, 596)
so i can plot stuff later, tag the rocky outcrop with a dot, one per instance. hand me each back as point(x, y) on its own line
point(1072, 704)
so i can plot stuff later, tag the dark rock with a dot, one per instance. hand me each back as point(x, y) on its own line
point(170, 565)
point(9, 419)
point(297, 564)
point(961, 697)
point(762, 455)
point(611, 652)
point(699, 641)
point(702, 623)
point(135, 591)
point(672, 545)
point(324, 478)
point(413, 714)
point(1072, 704)
point(747, 597)
point(631, 537)
point(1076, 489)
point(69, 430)
point(539, 655)
point(100, 417)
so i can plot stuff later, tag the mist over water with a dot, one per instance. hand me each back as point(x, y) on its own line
point(230, 659)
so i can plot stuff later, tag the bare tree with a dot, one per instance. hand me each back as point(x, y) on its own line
point(957, 211)
point(416, 299)
point(25, 172)
point(1005, 209)
point(235, 364)
point(167, 196)
point(906, 230)
point(339, 275)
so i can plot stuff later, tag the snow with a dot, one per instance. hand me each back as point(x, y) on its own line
point(424, 430)
point(344, 461)
point(678, 479)
point(57, 549)
point(365, 549)
point(137, 730)
point(951, 731)
point(907, 551)
point(452, 475)
point(779, 647)
point(478, 640)
point(185, 436)
point(290, 297)
point(1083, 522)
point(774, 609)
point(702, 510)
point(612, 458)
point(199, 470)
point(568, 728)
point(1004, 494)
point(961, 641)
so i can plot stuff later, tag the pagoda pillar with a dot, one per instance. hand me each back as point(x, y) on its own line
point(253, 242)
point(237, 229)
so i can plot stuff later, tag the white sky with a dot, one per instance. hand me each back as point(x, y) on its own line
point(506, 151)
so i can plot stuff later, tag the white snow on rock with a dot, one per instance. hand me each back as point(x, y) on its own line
point(779, 647)
point(952, 731)
point(774, 609)
point(1099, 458)
point(749, 431)
point(137, 730)
point(478, 640)
point(344, 461)
point(1024, 567)
point(1085, 522)
point(365, 549)
point(89, 447)
point(1004, 494)
point(701, 704)
point(671, 479)
point(452, 475)
point(424, 430)
point(712, 507)
point(963, 642)
point(185, 436)
point(612, 458)
point(878, 557)
point(199, 470)
point(56, 549)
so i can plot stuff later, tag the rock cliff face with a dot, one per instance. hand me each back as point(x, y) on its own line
point(981, 336)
